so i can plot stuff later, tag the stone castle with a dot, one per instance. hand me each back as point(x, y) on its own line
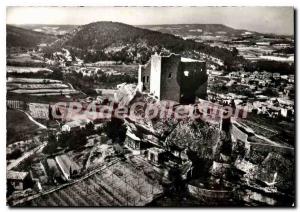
point(174, 78)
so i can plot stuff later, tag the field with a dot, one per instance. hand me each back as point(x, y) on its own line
point(16, 69)
point(43, 99)
point(118, 185)
point(280, 131)
point(18, 125)
point(45, 91)
point(39, 111)
point(24, 58)
point(31, 80)
point(38, 87)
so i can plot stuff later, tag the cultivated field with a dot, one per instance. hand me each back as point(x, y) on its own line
point(39, 111)
point(118, 185)
point(16, 69)
point(31, 80)
point(38, 87)
point(24, 58)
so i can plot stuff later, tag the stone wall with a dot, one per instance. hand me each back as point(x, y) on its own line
point(145, 76)
point(193, 81)
point(155, 75)
point(170, 89)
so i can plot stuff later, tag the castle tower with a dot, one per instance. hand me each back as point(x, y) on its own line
point(174, 78)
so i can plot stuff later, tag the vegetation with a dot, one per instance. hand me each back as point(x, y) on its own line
point(18, 37)
point(121, 42)
point(87, 84)
point(19, 127)
point(15, 154)
point(69, 140)
point(271, 66)
point(116, 130)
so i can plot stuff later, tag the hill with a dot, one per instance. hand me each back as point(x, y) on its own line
point(100, 35)
point(117, 41)
point(188, 30)
point(19, 37)
point(49, 28)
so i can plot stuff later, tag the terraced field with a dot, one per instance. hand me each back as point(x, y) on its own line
point(16, 69)
point(118, 185)
point(38, 87)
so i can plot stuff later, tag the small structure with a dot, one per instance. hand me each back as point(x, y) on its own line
point(132, 141)
point(19, 180)
point(68, 167)
point(53, 170)
point(154, 154)
point(75, 125)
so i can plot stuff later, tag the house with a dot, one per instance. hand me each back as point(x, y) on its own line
point(132, 141)
point(276, 75)
point(291, 78)
point(68, 167)
point(154, 154)
point(75, 125)
point(19, 180)
point(289, 90)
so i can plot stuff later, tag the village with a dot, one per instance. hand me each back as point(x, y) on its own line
point(150, 107)
point(80, 151)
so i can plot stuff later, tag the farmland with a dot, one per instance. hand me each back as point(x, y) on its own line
point(38, 87)
point(39, 111)
point(16, 69)
point(117, 185)
point(31, 80)
point(25, 59)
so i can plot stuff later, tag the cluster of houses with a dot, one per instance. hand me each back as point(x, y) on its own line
point(280, 103)
point(61, 167)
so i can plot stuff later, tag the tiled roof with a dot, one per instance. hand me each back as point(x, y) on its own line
point(14, 175)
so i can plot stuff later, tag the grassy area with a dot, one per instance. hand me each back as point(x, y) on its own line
point(278, 130)
point(18, 126)
point(43, 99)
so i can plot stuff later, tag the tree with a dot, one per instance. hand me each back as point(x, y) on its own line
point(51, 145)
point(50, 112)
point(90, 128)
point(15, 154)
point(116, 130)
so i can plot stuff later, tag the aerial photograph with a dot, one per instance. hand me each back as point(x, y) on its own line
point(150, 106)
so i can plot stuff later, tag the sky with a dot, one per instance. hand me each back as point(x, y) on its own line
point(278, 20)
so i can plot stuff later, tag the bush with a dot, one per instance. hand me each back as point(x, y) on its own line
point(15, 154)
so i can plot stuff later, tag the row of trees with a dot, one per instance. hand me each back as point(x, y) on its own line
point(88, 83)
point(271, 66)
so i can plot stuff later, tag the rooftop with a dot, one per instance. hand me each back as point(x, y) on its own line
point(76, 123)
point(189, 60)
point(14, 175)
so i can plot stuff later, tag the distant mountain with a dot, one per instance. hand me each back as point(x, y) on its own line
point(19, 37)
point(117, 41)
point(100, 35)
point(185, 30)
point(49, 29)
